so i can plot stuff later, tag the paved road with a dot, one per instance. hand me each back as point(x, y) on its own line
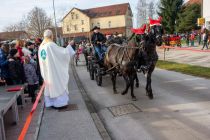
point(180, 109)
point(71, 124)
point(186, 56)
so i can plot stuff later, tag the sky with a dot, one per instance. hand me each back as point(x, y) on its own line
point(12, 11)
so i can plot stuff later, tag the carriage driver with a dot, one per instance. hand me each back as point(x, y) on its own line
point(98, 40)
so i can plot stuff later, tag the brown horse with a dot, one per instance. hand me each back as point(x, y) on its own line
point(122, 59)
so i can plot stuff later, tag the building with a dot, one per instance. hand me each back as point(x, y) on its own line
point(206, 13)
point(193, 2)
point(13, 35)
point(111, 19)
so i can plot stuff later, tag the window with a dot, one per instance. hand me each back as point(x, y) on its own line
point(75, 27)
point(98, 24)
point(109, 24)
point(82, 29)
point(77, 16)
point(72, 16)
point(82, 21)
point(67, 28)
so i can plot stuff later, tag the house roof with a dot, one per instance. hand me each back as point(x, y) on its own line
point(13, 35)
point(194, 2)
point(105, 11)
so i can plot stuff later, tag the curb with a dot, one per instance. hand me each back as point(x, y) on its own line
point(90, 106)
point(36, 135)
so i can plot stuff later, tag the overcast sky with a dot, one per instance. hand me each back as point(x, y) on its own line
point(11, 11)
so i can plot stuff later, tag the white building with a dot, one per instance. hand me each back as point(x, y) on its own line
point(206, 13)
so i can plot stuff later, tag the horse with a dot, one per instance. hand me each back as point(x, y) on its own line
point(122, 59)
point(151, 40)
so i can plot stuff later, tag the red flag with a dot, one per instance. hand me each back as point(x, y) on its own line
point(153, 22)
point(140, 30)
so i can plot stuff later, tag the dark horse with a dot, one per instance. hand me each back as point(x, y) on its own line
point(127, 59)
point(151, 40)
point(122, 59)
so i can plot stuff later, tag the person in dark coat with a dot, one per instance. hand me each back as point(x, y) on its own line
point(4, 50)
point(205, 39)
point(38, 41)
point(98, 39)
point(15, 68)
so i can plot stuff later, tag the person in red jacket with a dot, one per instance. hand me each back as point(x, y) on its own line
point(19, 46)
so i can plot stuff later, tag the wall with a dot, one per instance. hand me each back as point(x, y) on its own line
point(68, 21)
point(116, 21)
point(206, 12)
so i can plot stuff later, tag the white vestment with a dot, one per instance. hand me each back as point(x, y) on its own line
point(54, 65)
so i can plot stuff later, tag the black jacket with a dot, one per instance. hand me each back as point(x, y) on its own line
point(97, 37)
point(16, 71)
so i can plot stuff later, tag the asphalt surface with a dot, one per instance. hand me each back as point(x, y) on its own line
point(70, 124)
point(180, 109)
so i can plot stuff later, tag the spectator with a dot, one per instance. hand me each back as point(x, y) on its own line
point(4, 50)
point(12, 46)
point(73, 45)
point(15, 68)
point(199, 39)
point(38, 41)
point(187, 39)
point(19, 46)
point(192, 38)
point(31, 77)
point(205, 39)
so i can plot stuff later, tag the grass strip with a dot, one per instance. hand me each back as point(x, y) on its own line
point(185, 68)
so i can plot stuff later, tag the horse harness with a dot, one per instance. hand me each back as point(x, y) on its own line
point(125, 52)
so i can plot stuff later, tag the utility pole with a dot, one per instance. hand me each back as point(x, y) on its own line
point(56, 33)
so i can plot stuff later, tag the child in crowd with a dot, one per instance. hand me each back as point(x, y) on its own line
point(31, 77)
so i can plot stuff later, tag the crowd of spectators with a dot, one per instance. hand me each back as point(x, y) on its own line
point(19, 64)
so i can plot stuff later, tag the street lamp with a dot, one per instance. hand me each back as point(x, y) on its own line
point(56, 34)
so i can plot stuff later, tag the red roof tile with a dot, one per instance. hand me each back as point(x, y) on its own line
point(13, 35)
point(194, 2)
point(105, 11)
point(112, 10)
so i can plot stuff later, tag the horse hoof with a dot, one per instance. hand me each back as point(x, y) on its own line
point(115, 92)
point(134, 99)
point(150, 96)
point(123, 93)
point(137, 85)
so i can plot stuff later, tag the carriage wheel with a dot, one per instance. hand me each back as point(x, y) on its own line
point(98, 76)
point(88, 65)
point(91, 71)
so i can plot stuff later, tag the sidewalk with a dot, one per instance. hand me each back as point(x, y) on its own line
point(186, 56)
point(70, 124)
point(13, 131)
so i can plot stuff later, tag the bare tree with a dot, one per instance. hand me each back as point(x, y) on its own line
point(151, 9)
point(10, 28)
point(141, 12)
point(34, 23)
point(38, 21)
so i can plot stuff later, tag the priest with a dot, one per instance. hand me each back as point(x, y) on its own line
point(54, 65)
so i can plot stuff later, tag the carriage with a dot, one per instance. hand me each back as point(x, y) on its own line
point(124, 60)
point(96, 69)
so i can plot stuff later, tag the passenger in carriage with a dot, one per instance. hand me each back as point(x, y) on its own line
point(98, 40)
point(116, 38)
